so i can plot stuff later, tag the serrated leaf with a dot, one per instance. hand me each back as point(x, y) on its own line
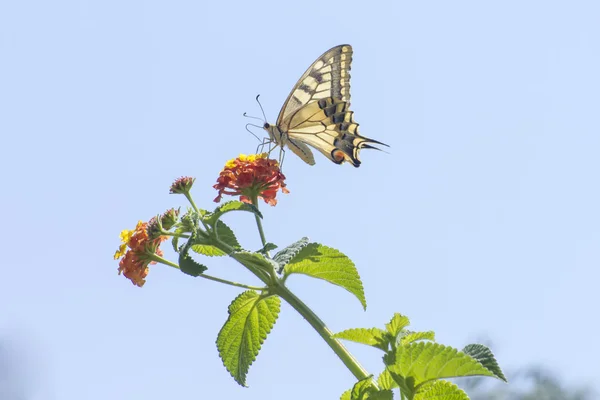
point(329, 264)
point(426, 361)
point(385, 380)
point(187, 265)
point(440, 390)
point(255, 262)
point(485, 356)
point(410, 337)
point(371, 337)
point(175, 243)
point(397, 323)
point(233, 205)
point(208, 246)
point(361, 388)
point(251, 318)
point(284, 256)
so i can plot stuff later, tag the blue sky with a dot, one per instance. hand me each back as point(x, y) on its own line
point(483, 221)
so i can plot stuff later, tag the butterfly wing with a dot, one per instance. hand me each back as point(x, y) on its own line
point(328, 126)
point(328, 76)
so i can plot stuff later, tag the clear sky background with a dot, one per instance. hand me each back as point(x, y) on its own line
point(483, 220)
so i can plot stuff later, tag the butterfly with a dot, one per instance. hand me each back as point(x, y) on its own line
point(317, 113)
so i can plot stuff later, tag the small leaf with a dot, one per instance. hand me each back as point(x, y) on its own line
point(440, 390)
point(361, 388)
point(255, 262)
point(397, 323)
point(175, 243)
point(266, 248)
point(408, 337)
point(381, 395)
point(426, 361)
point(188, 266)
point(346, 395)
point(251, 318)
point(385, 380)
point(233, 205)
point(284, 256)
point(372, 337)
point(485, 356)
point(207, 246)
point(325, 263)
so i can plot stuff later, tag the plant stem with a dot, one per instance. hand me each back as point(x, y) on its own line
point(338, 348)
point(261, 232)
point(209, 277)
point(189, 197)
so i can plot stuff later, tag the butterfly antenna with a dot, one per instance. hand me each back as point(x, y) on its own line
point(250, 116)
point(252, 133)
point(261, 107)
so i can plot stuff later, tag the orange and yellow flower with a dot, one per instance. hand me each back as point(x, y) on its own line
point(252, 176)
point(136, 251)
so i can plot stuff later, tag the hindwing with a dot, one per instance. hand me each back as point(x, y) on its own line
point(328, 125)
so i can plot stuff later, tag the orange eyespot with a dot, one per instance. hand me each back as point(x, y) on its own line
point(338, 156)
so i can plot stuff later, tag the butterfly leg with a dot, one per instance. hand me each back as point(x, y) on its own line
point(281, 158)
point(261, 146)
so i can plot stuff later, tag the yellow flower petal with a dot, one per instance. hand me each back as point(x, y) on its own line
point(120, 251)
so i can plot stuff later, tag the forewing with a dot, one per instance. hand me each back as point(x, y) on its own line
point(328, 76)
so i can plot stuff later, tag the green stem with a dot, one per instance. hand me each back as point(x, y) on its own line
point(189, 197)
point(209, 277)
point(261, 232)
point(338, 348)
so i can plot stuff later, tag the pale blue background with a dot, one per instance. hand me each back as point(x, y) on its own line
point(483, 221)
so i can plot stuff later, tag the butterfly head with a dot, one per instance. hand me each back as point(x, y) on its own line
point(273, 131)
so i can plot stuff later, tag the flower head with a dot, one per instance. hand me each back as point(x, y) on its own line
point(182, 185)
point(135, 260)
point(251, 176)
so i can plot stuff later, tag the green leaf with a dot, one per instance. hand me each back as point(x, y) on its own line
point(370, 394)
point(385, 380)
point(440, 390)
point(255, 262)
point(175, 243)
point(381, 395)
point(426, 361)
point(233, 205)
point(188, 266)
point(408, 337)
point(325, 263)
point(361, 388)
point(397, 323)
point(266, 248)
point(485, 356)
point(346, 395)
point(284, 256)
point(372, 337)
point(251, 318)
point(207, 246)
point(406, 384)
